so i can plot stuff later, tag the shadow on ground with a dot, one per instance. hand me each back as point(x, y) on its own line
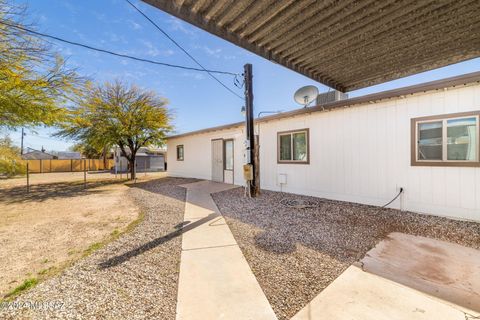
point(46, 191)
point(180, 229)
point(164, 187)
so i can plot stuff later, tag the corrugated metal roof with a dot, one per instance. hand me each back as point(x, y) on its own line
point(346, 45)
point(465, 79)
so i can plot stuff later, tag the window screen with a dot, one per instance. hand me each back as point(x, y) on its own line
point(293, 146)
point(462, 139)
point(286, 147)
point(228, 154)
point(430, 141)
point(448, 140)
point(180, 153)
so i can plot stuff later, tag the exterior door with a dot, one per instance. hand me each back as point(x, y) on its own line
point(217, 160)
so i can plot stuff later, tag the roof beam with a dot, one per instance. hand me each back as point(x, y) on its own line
point(273, 12)
point(372, 34)
point(435, 58)
point(436, 41)
point(208, 24)
point(252, 13)
point(344, 44)
point(305, 34)
point(287, 18)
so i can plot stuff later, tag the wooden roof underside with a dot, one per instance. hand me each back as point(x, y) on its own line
point(346, 45)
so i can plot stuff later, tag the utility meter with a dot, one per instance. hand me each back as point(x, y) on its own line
point(248, 172)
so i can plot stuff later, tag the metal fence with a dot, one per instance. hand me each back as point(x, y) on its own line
point(72, 165)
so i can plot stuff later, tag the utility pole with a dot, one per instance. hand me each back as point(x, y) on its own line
point(21, 147)
point(250, 135)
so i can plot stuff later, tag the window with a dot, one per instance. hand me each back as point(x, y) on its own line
point(228, 152)
point(180, 153)
point(293, 146)
point(447, 140)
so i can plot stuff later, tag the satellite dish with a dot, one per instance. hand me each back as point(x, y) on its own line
point(305, 95)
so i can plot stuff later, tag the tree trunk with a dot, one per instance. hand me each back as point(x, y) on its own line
point(132, 168)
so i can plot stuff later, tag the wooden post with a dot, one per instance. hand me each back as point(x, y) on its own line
point(84, 173)
point(250, 136)
point(28, 178)
point(135, 170)
point(256, 164)
point(21, 148)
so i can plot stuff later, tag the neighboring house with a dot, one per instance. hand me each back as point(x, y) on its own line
point(423, 138)
point(148, 159)
point(33, 154)
point(67, 155)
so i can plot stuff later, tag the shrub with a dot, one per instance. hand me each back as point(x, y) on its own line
point(10, 162)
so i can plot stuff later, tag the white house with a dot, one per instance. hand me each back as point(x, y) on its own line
point(422, 138)
point(147, 159)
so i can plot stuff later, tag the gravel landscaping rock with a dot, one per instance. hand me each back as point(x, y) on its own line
point(134, 277)
point(296, 253)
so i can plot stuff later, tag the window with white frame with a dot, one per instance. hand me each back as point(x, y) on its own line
point(446, 140)
point(228, 154)
point(293, 146)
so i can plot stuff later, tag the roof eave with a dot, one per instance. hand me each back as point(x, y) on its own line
point(394, 93)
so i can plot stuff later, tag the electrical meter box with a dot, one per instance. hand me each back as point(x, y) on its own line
point(248, 172)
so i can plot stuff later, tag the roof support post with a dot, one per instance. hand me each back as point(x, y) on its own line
point(250, 136)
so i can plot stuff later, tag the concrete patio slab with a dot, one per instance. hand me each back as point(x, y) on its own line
point(215, 280)
point(359, 295)
point(442, 269)
point(404, 277)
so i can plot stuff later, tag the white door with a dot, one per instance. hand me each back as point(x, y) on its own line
point(217, 160)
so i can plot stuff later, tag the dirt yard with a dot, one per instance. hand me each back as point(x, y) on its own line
point(133, 277)
point(58, 222)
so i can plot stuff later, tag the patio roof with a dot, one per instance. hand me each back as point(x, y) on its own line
point(346, 45)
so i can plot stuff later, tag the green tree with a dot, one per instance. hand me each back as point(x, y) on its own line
point(91, 151)
point(10, 160)
point(119, 114)
point(88, 150)
point(35, 83)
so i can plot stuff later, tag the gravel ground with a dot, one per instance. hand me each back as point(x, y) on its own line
point(296, 253)
point(134, 277)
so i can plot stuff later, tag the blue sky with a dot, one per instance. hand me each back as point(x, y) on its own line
point(197, 100)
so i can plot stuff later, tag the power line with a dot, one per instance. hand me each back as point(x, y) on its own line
point(45, 138)
point(184, 50)
point(45, 35)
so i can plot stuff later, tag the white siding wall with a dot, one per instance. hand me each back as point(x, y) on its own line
point(359, 154)
point(197, 161)
point(362, 154)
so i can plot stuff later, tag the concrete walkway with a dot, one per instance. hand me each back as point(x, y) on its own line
point(215, 280)
point(404, 277)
